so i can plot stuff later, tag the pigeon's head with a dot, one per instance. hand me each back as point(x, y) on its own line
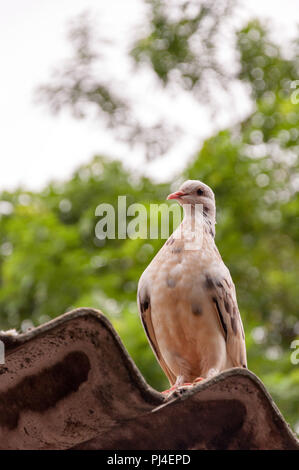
point(193, 192)
point(196, 192)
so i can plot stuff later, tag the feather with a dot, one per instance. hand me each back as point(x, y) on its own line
point(144, 308)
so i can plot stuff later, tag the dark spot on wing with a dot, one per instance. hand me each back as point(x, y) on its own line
point(234, 324)
point(227, 306)
point(209, 282)
point(170, 282)
point(220, 317)
point(170, 241)
point(144, 303)
point(176, 250)
point(196, 309)
point(219, 284)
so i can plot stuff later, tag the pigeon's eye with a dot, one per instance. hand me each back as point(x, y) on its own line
point(199, 192)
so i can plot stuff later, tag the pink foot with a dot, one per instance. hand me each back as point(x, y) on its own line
point(179, 387)
point(198, 379)
point(171, 389)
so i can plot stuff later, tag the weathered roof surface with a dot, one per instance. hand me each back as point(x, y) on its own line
point(71, 384)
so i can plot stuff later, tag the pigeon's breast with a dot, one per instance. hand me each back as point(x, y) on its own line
point(183, 318)
point(177, 272)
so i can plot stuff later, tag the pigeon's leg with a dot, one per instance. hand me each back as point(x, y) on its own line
point(184, 374)
point(183, 379)
point(169, 390)
point(210, 373)
point(179, 383)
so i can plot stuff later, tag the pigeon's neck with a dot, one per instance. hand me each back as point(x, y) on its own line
point(195, 216)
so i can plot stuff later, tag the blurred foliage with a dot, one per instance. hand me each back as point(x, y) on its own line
point(184, 42)
point(51, 261)
point(183, 49)
point(82, 85)
point(74, 84)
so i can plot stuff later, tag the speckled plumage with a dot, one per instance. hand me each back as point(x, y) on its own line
point(187, 300)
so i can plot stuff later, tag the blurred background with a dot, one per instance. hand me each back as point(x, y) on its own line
point(100, 99)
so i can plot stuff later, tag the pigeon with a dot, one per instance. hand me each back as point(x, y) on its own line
point(187, 299)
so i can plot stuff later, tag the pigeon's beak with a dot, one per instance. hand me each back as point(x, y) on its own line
point(176, 195)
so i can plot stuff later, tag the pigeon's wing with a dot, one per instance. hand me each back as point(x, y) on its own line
point(144, 307)
point(223, 295)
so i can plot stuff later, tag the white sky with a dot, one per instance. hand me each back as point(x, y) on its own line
point(35, 146)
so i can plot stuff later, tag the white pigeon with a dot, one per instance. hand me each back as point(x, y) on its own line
point(187, 299)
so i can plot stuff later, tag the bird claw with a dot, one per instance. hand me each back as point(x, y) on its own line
point(185, 385)
point(181, 388)
point(170, 390)
point(197, 380)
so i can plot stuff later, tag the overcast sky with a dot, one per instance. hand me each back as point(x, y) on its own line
point(35, 146)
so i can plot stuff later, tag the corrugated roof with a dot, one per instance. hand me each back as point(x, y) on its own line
point(71, 384)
